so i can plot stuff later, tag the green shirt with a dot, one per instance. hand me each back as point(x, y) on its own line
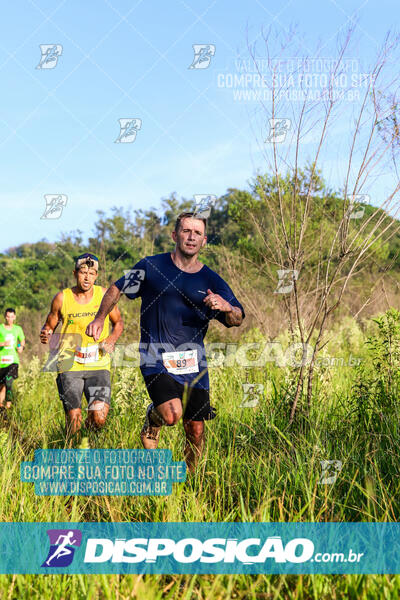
point(9, 354)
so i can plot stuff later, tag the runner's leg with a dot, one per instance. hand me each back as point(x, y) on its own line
point(70, 389)
point(73, 421)
point(2, 395)
point(97, 414)
point(194, 431)
point(9, 384)
point(97, 390)
point(197, 408)
point(167, 413)
point(166, 407)
point(8, 374)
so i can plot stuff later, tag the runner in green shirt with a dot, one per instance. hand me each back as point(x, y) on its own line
point(12, 343)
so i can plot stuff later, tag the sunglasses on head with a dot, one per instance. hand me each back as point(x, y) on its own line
point(88, 255)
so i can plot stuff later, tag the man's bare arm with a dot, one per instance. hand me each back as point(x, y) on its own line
point(234, 317)
point(110, 299)
point(52, 319)
point(233, 314)
point(117, 323)
point(21, 346)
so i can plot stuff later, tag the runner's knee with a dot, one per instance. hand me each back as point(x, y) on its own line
point(172, 418)
point(171, 412)
point(194, 430)
point(98, 413)
point(98, 419)
point(75, 414)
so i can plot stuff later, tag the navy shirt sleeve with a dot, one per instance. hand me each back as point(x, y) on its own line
point(219, 286)
point(131, 283)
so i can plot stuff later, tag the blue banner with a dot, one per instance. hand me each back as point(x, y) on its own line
point(207, 548)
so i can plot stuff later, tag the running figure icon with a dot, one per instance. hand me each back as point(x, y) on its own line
point(62, 549)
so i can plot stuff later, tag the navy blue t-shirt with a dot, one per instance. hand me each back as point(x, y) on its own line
point(173, 316)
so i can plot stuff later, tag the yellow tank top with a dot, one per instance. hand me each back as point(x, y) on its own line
point(79, 352)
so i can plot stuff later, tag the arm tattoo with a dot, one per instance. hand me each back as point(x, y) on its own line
point(235, 317)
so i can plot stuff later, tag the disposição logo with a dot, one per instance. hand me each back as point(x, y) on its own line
point(63, 543)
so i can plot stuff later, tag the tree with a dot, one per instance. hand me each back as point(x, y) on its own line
point(297, 228)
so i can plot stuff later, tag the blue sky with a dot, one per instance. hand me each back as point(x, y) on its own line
point(125, 59)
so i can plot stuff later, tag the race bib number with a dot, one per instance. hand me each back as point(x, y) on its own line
point(89, 354)
point(7, 360)
point(180, 363)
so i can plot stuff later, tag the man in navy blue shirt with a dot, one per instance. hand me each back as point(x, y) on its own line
point(180, 295)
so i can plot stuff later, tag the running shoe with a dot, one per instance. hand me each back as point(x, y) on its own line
point(150, 434)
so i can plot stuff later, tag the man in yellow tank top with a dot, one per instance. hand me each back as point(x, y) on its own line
point(82, 366)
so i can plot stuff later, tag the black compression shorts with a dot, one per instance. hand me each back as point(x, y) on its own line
point(196, 403)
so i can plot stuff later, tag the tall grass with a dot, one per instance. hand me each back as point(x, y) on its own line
point(255, 468)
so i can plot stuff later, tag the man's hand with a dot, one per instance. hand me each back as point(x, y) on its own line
point(216, 302)
point(95, 328)
point(45, 335)
point(108, 345)
point(20, 349)
point(233, 314)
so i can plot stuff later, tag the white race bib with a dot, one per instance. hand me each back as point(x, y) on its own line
point(89, 354)
point(180, 363)
point(7, 360)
